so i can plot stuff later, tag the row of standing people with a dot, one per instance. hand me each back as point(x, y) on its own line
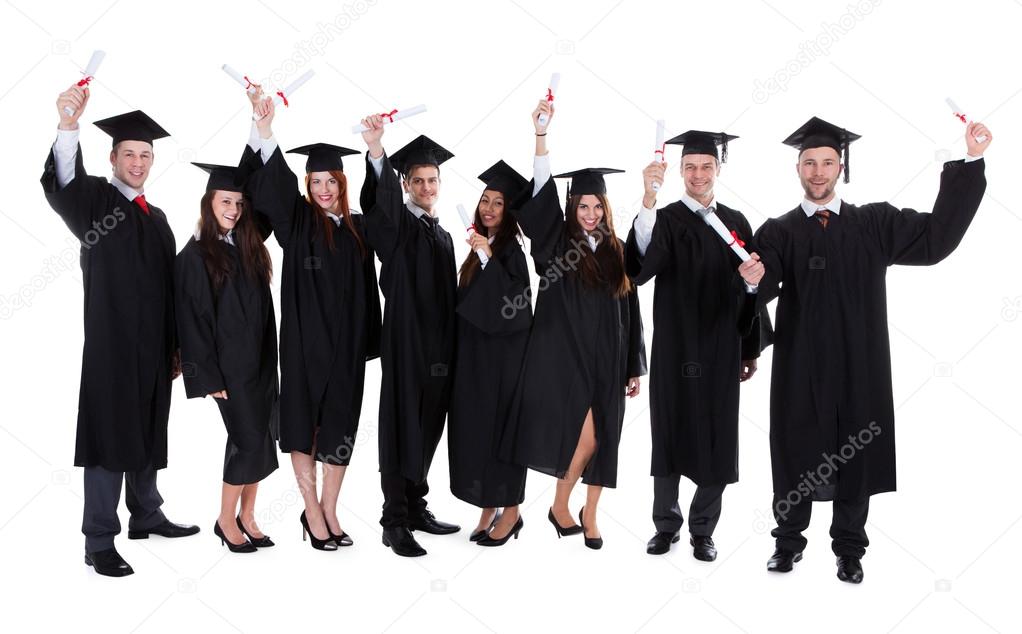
point(545, 392)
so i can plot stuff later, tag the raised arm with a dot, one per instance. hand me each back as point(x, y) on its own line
point(271, 187)
point(382, 198)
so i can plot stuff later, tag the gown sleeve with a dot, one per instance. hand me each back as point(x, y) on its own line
point(643, 268)
point(910, 237)
point(542, 221)
point(384, 208)
point(497, 299)
point(196, 326)
point(636, 341)
point(769, 244)
point(80, 201)
point(273, 191)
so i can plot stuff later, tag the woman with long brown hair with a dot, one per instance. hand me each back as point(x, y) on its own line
point(228, 338)
point(585, 351)
point(330, 318)
point(491, 346)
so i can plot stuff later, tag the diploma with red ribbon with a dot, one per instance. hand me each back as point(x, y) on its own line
point(658, 149)
point(391, 117)
point(245, 82)
point(87, 75)
point(282, 95)
point(961, 117)
point(470, 229)
point(729, 237)
point(555, 81)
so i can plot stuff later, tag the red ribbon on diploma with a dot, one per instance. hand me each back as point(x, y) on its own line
point(248, 81)
point(280, 93)
point(734, 236)
point(961, 117)
point(549, 95)
point(389, 115)
point(660, 151)
point(84, 81)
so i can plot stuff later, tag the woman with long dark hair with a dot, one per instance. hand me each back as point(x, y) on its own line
point(585, 351)
point(330, 318)
point(228, 339)
point(491, 345)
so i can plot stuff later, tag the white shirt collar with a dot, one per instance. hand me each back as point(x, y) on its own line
point(593, 242)
point(229, 238)
point(338, 218)
point(126, 191)
point(810, 208)
point(694, 204)
point(415, 209)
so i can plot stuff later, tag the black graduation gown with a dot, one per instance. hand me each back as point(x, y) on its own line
point(127, 260)
point(584, 346)
point(419, 281)
point(330, 318)
point(229, 342)
point(704, 326)
point(832, 359)
point(492, 336)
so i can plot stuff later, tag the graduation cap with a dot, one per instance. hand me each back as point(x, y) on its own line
point(132, 126)
point(422, 150)
point(223, 177)
point(588, 180)
point(699, 142)
point(323, 157)
point(503, 178)
point(819, 133)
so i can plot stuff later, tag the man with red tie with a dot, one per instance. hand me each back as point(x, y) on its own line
point(130, 352)
point(831, 401)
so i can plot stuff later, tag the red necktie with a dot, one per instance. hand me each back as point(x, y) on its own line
point(823, 215)
point(140, 201)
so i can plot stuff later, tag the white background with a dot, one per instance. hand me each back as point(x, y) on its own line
point(944, 549)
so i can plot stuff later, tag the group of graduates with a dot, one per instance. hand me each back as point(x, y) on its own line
point(519, 388)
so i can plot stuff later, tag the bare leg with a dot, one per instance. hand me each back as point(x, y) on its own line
point(305, 473)
point(229, 496)
point(333, 477)
point(248, 498)
point(589, 512)
point(507, 521)
point(485, 518)
point(583, 453)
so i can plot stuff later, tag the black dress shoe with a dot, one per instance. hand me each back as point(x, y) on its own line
point(244, 547)
point(574, 529)
point(595, 543)
point(401, 541)
point(428, 523)
point(258, 542)
point(783, 560)
point(702, 547)
point(660, 543)
point(166, 529)
point(481, 533)
point(490, 541)
point(849, 569)
point(341, 540)
point(108, 563)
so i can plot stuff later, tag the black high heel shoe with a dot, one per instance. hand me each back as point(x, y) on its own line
point(489, 541)
point(244, 547)
point(595, 543)
point(479, 534)
point(561, 530)
point(341, 540)
point(258, 542)
point(318, 544)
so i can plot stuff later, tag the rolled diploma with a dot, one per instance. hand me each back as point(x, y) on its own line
point(954, 108)
point(290, 90)
point(397, 116)
point(658, 151)
point(470, 229)
point(555, 81)
point(238, 77)
point(725, 235)
point(90, 71)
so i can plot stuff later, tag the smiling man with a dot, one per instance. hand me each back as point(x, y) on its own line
point(705, 339)
point(419, 280)
point(130, 354)
point(831, 403)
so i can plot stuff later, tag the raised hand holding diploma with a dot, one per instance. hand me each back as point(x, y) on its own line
point(71, 104)
point(283, 95)
point(373, 134)
point(391, 117)
point(555, 81)
point(246, 83)
point(658, 149)
point(960, 114)
point(652, 178)
point(87, 75)
point(977, 138)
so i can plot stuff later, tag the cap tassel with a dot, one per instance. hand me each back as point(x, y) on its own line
point(723, 148)
point(847, 166)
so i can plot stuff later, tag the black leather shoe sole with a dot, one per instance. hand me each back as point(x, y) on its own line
point(169, 535)
point(401, 552)
point(661, 548)
point(434, 530)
